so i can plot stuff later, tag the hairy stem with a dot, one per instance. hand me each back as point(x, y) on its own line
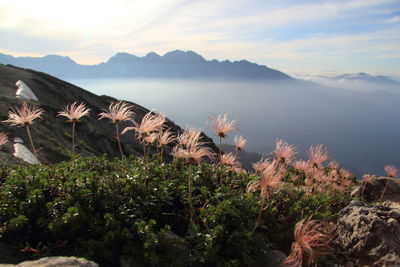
point(363, 188)
point(161, 154)
point(31, 141)
point(118, 139)
point(144, 151)
point(258, 220)
point(191, 210)
point(220, 148)
point(384, 190)
point(73, 138)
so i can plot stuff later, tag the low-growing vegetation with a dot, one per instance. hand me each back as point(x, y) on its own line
point(138, 212)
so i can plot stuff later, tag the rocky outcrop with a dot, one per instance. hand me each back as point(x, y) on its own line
point(55, 262)
point(372, 190)
point(370, 234)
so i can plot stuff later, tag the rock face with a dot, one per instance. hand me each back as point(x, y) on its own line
point(374, 189)
point(370, 235)
point(55, 262)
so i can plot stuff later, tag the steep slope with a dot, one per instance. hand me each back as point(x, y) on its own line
point(52, 134)
point(174, 64)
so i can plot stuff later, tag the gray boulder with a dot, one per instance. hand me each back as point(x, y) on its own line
point(55, 262)
point(370, 234)
point(373, 190)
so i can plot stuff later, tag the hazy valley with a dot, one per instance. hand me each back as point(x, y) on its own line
point(354, 115)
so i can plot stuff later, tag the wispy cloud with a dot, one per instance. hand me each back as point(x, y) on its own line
point(284, 33)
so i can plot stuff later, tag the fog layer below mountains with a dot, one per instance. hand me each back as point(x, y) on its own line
point(360, 129)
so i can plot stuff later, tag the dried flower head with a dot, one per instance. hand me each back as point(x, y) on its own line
point(391, 171)
point(240, 142)
point(230, 160)
point(194, 152)
point(345, 173)
point(190, 135)
point(333, 164)
point(150, 138)
point(25, 115)
point(317, 154)
point(222, 126)
point(151, 122)
point(270, 179)
point(117, 112)
point(262, 164)
point(165, 138)
point(3, 139)
point(284, 152)
point(302, 165)
point(367, 179)
point(310, 241)
point(74, 112)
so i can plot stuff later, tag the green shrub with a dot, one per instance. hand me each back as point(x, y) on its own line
point(124, 210)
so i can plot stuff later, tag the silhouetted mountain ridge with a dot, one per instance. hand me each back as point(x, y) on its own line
point(174, 64)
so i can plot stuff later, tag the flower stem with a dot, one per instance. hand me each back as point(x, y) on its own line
point(31, 140)
point(258, 221)
point(220, 148)
point(118, 139)
point(190, 189)
point(384, 190)
point(73, 138)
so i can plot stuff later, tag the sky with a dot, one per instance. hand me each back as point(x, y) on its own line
point(297, 37)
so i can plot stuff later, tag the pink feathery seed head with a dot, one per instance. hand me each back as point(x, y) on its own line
point(3, 139)
point(270, 179)
point(317, 154)
point(178, 152)
point(229, 159)
point(198, 152)
point(240, 142)
point(345, 173)
point(150, 123)
point(191, 135)
point(25, 115)
point(150, 138)
point(74, 112)
point(346, 182)
point(284, 152)
point(391, 171)
point(117, 112)
point(302, 165)
point(165, 137)
point(222, 125)
point(262, 164)
point(367, 178)
point(333, 164)
point(309, 240)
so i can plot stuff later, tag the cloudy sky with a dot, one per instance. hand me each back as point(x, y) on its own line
point(292, 36)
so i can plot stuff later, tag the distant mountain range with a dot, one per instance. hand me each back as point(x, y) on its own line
point(360, 77)
point(175, 64)
point(365, 78)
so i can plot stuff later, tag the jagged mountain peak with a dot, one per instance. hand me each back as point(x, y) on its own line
point(187, 56)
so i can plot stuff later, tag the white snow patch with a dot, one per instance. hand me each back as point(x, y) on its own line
point(22, 152)
point(25, 92)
